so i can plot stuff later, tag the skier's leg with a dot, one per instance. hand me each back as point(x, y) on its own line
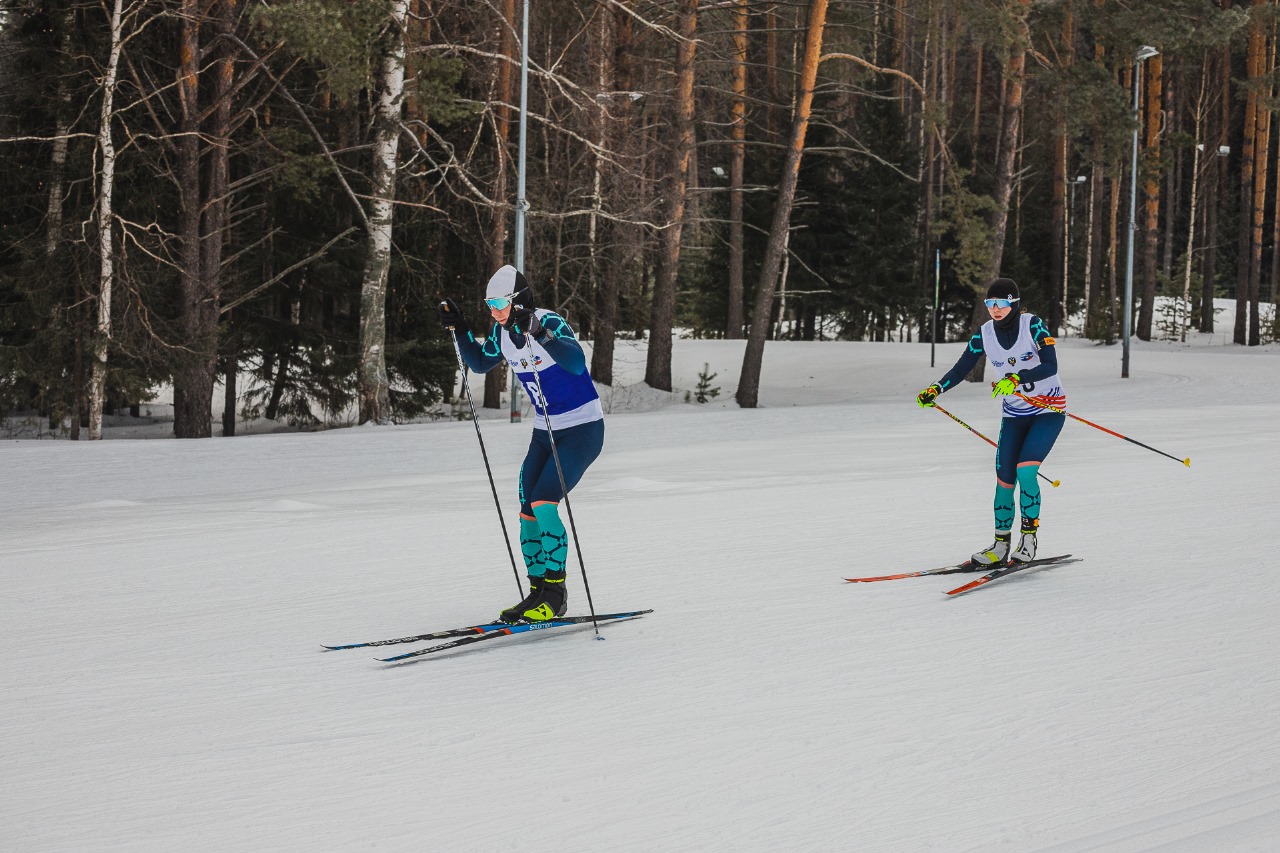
point(536, 459)
point(1006, 475)
point(577, 448)
point(1013, 433)
point(1041, 435)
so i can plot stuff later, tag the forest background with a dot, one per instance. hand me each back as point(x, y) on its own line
point(193, 192)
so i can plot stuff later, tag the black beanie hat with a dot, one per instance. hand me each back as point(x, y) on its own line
point(1002, 288)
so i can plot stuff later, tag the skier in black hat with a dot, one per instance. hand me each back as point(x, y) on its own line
point(530, 340)
point(1019, 346)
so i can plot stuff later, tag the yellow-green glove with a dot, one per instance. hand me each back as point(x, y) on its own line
point(1005, 386)
point(926, 397)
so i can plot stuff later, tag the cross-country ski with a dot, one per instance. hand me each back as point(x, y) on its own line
point(968, 566)
point(481, 629)
point(517, 628)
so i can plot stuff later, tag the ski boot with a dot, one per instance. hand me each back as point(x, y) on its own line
point(512, 614)
point(546, 600)
point(994, 554)
point(1026, 550)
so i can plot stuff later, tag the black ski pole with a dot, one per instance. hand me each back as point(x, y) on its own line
point(564, 489)
point(475, 420)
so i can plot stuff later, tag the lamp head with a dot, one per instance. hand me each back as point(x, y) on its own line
point(1144, 53)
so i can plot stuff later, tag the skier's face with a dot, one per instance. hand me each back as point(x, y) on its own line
point(501, 315)
point(999, 314)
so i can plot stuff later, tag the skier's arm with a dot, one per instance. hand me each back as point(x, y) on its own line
point(558, 340)
point(968, 360)
point(972, 353)
point(478, 357)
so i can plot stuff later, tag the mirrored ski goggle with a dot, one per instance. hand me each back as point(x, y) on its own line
point(498, 303)
point(1000, 303)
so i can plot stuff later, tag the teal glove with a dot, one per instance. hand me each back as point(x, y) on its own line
point(1005, 386)
point(926, 397)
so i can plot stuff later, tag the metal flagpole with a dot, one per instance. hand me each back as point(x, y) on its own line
point(937, 285)
point(521, 203)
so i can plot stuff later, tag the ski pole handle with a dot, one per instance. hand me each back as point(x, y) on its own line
point(1054, 483)
point(1041, 405)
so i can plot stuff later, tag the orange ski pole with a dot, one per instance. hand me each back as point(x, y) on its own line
point(1054, 483)
point(1041, 405)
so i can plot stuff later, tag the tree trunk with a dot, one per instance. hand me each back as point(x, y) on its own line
point(1113, 245)
point(496, 380)
point(374, 388)
point(1253, 63)
point(1262, 154)
point(1151, 236)
point(1219, 189)
point(607, 292)
point(1011, 110)
point(658, 369)
point(61, 141)
point(1095, 257)
point(1275, 244)
point(1060, 234)
point(105, 219)
point(1195, 186)
point(749, 384)
point(202, 222)
point(737, 160)
point(229, 397)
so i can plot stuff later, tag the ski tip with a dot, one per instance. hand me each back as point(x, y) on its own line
point(970, 585)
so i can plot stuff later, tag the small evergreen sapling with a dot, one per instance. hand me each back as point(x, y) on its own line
point(704, 391)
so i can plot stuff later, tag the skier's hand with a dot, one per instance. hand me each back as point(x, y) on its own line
point(1005, 386)
point(451, 317)
point(926, 397)
point(524, 321)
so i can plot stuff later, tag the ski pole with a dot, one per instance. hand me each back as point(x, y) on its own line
point(1054, 483)
point(564, 489)
point(457, 351)
point(1041, 405)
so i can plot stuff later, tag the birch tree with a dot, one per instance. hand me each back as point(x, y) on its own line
point(373, 386)
point(104, 219)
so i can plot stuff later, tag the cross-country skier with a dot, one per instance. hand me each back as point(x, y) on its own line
point(530, 340)
point(1020, 346)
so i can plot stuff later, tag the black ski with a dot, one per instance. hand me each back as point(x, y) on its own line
point(519, 628)
point(1010, 568)
point(486, 628)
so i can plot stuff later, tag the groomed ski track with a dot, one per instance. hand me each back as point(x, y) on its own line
point(161, 687)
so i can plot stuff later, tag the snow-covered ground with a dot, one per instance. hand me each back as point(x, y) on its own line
point(162, 686)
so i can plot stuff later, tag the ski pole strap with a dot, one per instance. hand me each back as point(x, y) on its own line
point(1041, 405)
point(1054, 483)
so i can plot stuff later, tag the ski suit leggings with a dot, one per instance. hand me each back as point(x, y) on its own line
point(1024, 443)
point(578, 446)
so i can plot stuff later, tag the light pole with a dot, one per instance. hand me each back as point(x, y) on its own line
point(521, 204)
point(1144, 53)
point(1066, 246)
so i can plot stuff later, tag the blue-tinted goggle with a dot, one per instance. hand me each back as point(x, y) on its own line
point(1000, 303)
point(498, 303)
